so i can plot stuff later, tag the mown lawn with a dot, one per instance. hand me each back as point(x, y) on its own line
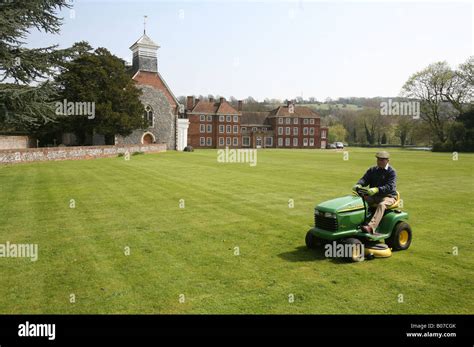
point(190, 253)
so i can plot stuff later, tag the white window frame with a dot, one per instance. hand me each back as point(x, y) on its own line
point(288, 131)
point(295, 120)
point(221, 129)
point(305, 142)
point(202, 128)
point(271, 141)
point(280, 130)
point(280, 120)
point(236, 129)
point(202, 141)
point(221, 119)
point(311, 131)
point(244, 140)
point(228, 141)
point(228, 129)
point(243, 129)
point(221, 141)
point(295, 142)
point(254, 129)
point(228, 119)
point(209, 118)
point(209, 128)
point(311, 142)
point(295, 131)
point(305, 121)
point(323, 133)
point(202, 118)
point(236, 119)
point(305, 131)
point(287, 142)
point(311, 121)
point(209, 141)
point(288, 121)
point(235, 141)
point(280, 142)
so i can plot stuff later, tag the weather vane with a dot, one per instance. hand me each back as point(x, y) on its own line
point(144, 24)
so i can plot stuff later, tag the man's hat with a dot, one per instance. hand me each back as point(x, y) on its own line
point(383, 155)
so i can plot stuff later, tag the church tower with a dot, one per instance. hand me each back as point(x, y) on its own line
point(144, 54)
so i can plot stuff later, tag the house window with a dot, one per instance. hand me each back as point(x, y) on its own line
point(236, 129)
point(246, 141)
point(243, 129)
point(202, 128)
point(228, 141)
point(254, 129)
point(280, 120)
point(236, 141)
point(236, 119)
point(295, 120)
point(311, 121)
point(280, 142)
point(228, 119)
point(221, 118)
point(209, 128)
point(311, 131)
point(295, 142)
point(221, 141)
point(287, 142)
point(221, 129)
point(264, 129)
point(305, 121)
point(228, 129)
point(305, 142)
point(149, 118)
point(202, 141)
point(295, 131)
point(311, 142)
point(268, 141)
point(209, 118)
point(202, 118)
point(305, 131)
point(280, 130)
point(209, 141)
point(288, 121)
point(288, 131)
point(323, 133)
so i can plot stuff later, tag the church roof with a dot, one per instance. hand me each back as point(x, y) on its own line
point(144, 41)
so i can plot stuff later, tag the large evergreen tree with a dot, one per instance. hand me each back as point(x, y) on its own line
point(101, 78)
point(26, 101)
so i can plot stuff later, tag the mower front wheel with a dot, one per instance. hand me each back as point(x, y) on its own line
point(356, 250)
point(312, 241)
point(400, 239)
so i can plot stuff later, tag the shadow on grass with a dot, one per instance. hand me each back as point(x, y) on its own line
point(302, 254)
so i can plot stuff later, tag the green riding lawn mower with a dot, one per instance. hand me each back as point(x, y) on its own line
point(340, 221)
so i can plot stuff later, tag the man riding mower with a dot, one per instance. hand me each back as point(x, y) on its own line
point(365, 219)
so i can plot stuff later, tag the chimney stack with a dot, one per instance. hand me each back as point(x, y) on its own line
point(190, 103)
point(221, 100)
point(239, 107)
point(211, 99)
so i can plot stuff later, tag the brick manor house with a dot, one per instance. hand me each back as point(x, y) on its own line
point(216, 124)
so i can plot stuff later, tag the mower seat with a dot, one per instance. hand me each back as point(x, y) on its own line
point(393, 206)
point(396, 203)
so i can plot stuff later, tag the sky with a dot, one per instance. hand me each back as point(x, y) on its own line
point(281, 49)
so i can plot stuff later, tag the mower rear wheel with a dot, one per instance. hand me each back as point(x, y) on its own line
point(312, 241)
point(400, 239)
point(357, 249)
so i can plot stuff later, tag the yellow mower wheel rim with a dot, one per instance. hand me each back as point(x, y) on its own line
point(403, 237)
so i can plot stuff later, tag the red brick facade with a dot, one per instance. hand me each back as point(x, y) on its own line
point(219, 125)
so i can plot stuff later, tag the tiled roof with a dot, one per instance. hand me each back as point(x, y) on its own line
point(144, 41)
point(299, 111)
point(254, 118)
point(214, 108)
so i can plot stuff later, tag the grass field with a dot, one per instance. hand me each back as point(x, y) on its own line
point(190, 253)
